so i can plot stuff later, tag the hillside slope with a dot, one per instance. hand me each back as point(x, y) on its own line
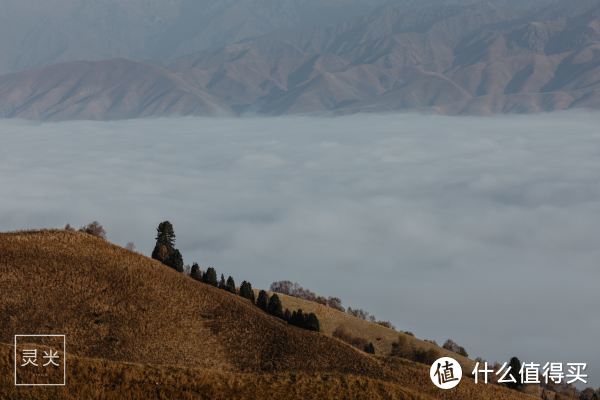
point(41, 32)
point(121, 306)
point(102, 90)
point(382, 338)
point(135, 325)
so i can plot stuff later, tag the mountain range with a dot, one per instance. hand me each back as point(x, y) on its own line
point(310, 57)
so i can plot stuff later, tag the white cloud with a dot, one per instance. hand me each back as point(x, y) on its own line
point(485, 230)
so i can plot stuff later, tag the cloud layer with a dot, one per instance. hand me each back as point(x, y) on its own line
point(485, 230)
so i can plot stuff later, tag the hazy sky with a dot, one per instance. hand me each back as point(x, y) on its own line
point(484, 230)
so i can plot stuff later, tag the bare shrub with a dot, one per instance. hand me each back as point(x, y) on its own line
point(425, 356)
point(130, 246)
point(293, 289)
point(401, 348)
point(94, 229)
point(454, 347)
point(335, 303)
point(406, 349)
point(358, 313)
point(387, 324)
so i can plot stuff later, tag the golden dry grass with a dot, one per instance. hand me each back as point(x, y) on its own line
point(104, 379)
point(381, 337)
point(137, 329)
point(119, 305)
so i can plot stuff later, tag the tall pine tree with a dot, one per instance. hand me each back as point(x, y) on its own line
point(210, 276)
point(165, 235)
point(175, 260)
point(287, 315)
point(195, 273)
point(298, 318)
point(246, 291)
point(164, 250)
point(312, 323)
point(263, 300)
point(230, 285)
point(274, 307)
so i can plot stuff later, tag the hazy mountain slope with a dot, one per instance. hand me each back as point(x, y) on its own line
point(445, 57)
point(137, 327)
point(453, 59)
point(34, 33)
point(110, 89)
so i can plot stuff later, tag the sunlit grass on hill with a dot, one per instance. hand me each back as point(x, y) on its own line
point(139, 329)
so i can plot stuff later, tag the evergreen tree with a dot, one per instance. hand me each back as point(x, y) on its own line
point(210, 276)
point(369, 348)
point(298, 319)
point(195, 272)
point(274, 307)
point(161, 253)
point(165, 234)
point(246, 291)
point(515, 369)
point(164, 250)
point(230, 285)
point(222, 282)
point(175, 260)
point(287, 315)
point(312, 323)
point(263, 300)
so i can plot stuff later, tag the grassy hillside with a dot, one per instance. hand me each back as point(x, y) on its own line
point(119, 305)
point(381, 337)
point(135, 326)
point(98, 378)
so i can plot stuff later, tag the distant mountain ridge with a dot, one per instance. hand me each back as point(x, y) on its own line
point(36, 33)
point(443, 57)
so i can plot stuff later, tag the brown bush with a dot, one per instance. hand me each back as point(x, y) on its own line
point(359, 313)
point(454, 347)
point(293, 289)
point(335, 303)
point(405, 349)
point(387, 324)
point(94, 229)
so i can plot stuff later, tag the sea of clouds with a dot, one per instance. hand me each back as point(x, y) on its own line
point(484, 230)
